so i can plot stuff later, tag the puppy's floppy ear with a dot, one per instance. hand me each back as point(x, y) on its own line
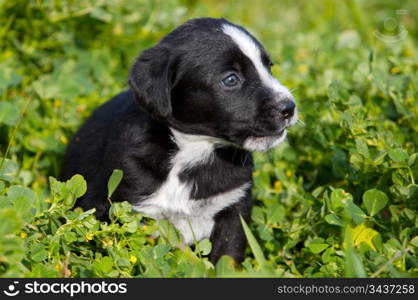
point(150, 78)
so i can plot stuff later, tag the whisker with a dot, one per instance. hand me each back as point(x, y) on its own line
point(300, 122)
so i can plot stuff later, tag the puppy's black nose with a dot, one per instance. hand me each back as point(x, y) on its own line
point(287, 108)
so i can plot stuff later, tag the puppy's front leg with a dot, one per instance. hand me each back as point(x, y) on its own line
point(228, 237)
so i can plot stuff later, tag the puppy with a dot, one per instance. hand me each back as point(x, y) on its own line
point(199, 102)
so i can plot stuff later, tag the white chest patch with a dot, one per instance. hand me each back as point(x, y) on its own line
point(193, 218)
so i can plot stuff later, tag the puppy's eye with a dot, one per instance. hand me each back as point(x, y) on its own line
point(230, 81)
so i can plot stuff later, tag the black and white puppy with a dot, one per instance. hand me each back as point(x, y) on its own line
point(200, 100)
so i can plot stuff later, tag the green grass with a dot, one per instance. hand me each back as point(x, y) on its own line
point(338, 199)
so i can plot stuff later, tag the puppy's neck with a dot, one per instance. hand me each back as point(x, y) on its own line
point(193, 149)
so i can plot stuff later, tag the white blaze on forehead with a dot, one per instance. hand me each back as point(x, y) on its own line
point(252, 51)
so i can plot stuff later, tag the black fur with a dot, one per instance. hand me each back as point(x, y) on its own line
point(176, 84)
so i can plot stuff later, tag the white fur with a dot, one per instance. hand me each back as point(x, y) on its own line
point(193, 218)
point(252, 51)
point(264, 143)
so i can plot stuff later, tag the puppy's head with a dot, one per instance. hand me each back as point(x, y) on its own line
point(211, 77)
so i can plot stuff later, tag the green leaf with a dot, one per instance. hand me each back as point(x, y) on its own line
point(8, 78)
point(374, 200)
point(114, 181)
point(58, 189)
point(317, 246)
point(23, 200)
point(131, 227)
point(356, 213)
point(106, 264)
point(414, 241)
point(38, 253)
point(399, 155)
point(353, 264)
point(205, 246)
point(264, 232)
point(69, 191)
point(77, 186)
point(43, 271)
point(362, 147)
point(333, 220)
point(257, 215)
point(255, 247)
point(101, 14)
point(9, 170)
point(275, 213)
point(9, 113)
point(198, 270)
point(412, 159)
point(10, 221)
point(337, 92)
point(225, 267)
point(169, 232)
point(413, 191)
point(339, 199)
point(123, 212)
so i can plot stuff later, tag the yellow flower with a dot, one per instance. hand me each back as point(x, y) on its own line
point(150, 240)
point(408, 52)
point(107, 242)
point(133, 259)
point(395, 70)
point(300, 116)
point(371, 142)
point(301, 54)
point(23, 235)
point(288, 173)
point(278, 186)
point(81, 108)
point(58, 267)
point(89, 236)
point(302, 69)
point(63, 139)
point(362, 234)
point(118, 29)
point(57, 103)
point(8, 54)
